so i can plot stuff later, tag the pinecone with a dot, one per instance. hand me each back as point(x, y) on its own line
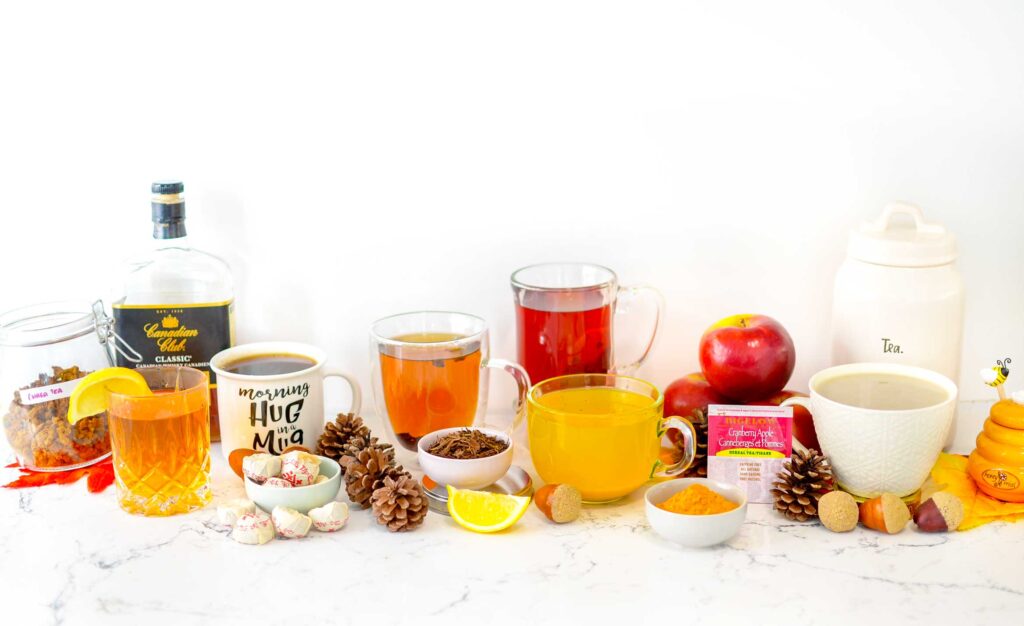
point(699, 467)
point(805, 478)
point(339, 432)
point(366, 470)
point(357, 444)
point(399, 503)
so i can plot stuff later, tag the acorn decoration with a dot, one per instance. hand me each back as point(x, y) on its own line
point(886, 513)
point(805, 478)
point(399, 503)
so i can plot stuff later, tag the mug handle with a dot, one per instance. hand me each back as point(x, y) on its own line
point(659, 301)
point(660, 469)
point(522, 385)
point(357, 394)
point(805, 403)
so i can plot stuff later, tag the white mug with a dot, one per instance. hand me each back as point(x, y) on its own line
point(269, 413)
point(876, 451)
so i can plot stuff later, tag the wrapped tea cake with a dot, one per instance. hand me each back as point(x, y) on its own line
point(277, 481)
point(329, 517)
point(299, 468)
point(253, 530)
point(231, 511)
point(259, 467)
point(290, 523)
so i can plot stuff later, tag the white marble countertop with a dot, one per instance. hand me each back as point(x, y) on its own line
point(71, 557)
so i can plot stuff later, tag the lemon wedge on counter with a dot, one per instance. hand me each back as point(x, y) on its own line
point(485, 512)
point(92, 394)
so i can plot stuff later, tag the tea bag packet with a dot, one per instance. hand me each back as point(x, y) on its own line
point(290, 523)
point(747, 446)
point(259, 467)
point(277, 481)
point(300, 468)
point(329, 517)
point(230, 512)
point(253, 530)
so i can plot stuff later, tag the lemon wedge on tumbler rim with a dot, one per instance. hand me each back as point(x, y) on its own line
point(483, 511)
point(92, 394)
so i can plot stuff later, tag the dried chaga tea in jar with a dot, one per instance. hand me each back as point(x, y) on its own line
point(44, 351)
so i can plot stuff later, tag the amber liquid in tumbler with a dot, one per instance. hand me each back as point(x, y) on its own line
point(556, 343)
point(427, 389)
point(161, 452)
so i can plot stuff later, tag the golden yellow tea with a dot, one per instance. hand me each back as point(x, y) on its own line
point(161, 444)
point(602, 440)
point(429, 385)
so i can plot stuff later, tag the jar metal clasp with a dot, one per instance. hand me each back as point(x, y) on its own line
point(105, 333)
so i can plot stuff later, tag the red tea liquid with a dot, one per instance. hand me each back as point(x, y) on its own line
point(555, 343)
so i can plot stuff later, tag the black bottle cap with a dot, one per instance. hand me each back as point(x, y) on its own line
point(168, 187)
point(168, 217)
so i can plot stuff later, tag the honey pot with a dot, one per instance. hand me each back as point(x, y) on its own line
point(997, 463)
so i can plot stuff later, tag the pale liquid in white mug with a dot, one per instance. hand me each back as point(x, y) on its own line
point(883, 392)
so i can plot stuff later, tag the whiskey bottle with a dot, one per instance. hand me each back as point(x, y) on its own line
point(175, 303)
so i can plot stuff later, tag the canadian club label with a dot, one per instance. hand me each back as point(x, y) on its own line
point(186, 334)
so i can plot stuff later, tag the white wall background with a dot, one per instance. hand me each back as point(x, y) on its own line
point(355, 161)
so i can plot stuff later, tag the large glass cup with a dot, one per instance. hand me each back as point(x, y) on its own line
point(161, 443)
point(564, 319)
point(430, 371)
point(602, 433)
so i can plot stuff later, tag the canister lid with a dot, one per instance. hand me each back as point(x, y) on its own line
point(895, 241)
point(46, 323)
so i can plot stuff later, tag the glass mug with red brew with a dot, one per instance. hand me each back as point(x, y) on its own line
point(565, 315)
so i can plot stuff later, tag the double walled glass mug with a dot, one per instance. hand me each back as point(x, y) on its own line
point(564, 318)
point(602, 433)
point(430, 371)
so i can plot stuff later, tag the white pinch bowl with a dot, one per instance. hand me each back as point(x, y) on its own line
point(302, 499)
point(694, 531)
point(464, 473)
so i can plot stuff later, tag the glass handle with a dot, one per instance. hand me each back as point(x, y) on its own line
point(632, 293)
point(357, 394)
point(522, 384)
point(689, 435)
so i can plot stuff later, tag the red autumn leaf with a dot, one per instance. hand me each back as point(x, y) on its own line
point(15, 464)
point(40, 479)
point(100, 477)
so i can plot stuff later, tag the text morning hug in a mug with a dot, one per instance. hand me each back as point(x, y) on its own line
point(271, 396)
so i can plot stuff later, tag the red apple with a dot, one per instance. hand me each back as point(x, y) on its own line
point(746, 357)
point(803, 425)
point(688, 393)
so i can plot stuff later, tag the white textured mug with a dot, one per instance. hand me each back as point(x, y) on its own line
point(269, 413)
point(876, 451)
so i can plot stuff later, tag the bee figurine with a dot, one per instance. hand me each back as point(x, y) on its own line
point(995, 376)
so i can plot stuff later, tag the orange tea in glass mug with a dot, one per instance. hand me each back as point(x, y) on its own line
point(430, 371)
point(602, 434)
point(564, 319)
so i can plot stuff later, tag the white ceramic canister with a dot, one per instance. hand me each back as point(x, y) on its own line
point(898, 297)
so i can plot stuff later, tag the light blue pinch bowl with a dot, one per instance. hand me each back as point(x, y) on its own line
point(302, 499)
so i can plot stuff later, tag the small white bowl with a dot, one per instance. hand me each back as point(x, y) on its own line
point(302, 499)
point(694, 531)
point(464, 473)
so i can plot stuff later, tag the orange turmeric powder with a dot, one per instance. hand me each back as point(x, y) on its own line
point(697, 500)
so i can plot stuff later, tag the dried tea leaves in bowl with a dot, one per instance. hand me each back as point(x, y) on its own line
point(467, 444)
